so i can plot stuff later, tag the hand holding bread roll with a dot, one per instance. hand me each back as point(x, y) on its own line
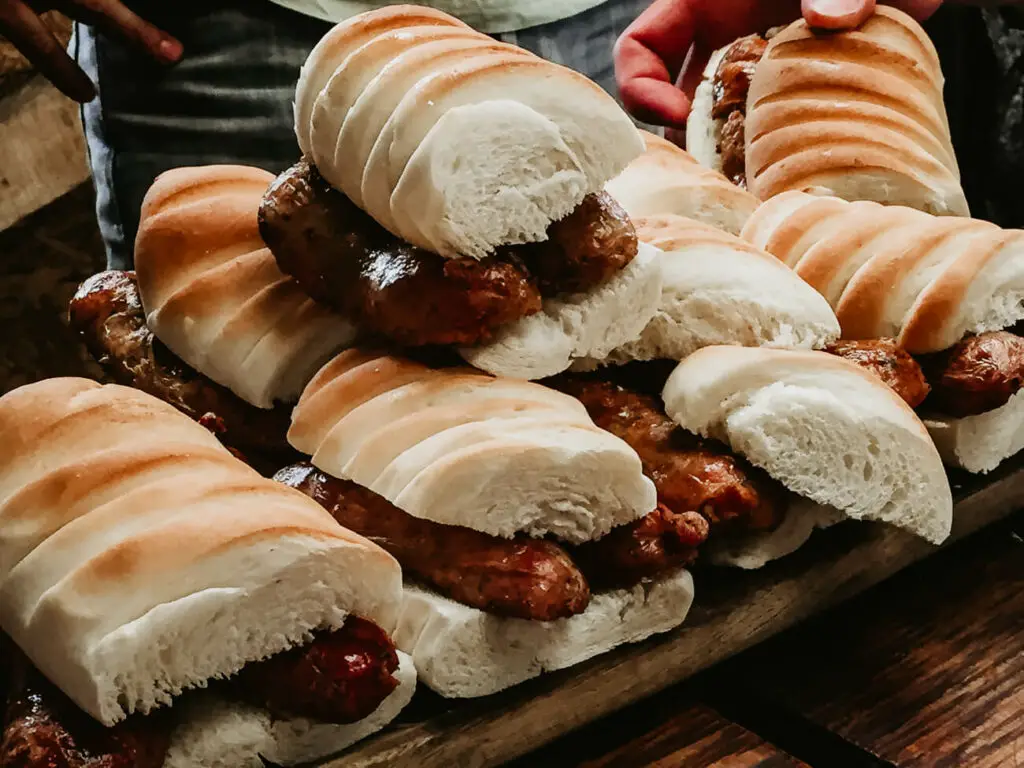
point(856, 114)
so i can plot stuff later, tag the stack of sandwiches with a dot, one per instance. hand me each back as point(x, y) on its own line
point(550, 365)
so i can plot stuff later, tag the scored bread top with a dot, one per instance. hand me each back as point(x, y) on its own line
point(857, 114)
point(460, 447)
point(821, 425)
point(451, 140)
point(213, 293)
point(666, 179)
point(139, 558)
point(892, 271)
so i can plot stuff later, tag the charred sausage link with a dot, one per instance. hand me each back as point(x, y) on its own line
point(339, 677)
point(889, 362)
point(521, 577)
point(107, 312)
point(342, 258)
point(691, 474)
point(979, 374)
point(658, 542)
point(42, 727)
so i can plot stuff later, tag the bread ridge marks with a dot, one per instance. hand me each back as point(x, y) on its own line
point(213, 293)
point(458, 447)
point(859, 113)
point(893, 271)
point(334, 47)
point(124, 524)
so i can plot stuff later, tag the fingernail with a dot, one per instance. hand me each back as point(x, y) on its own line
point(170, 49)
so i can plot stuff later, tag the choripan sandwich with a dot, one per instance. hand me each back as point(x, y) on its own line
point(207, 322)
point(948, 290)
point(175, 608)
point(668, 180)
point(451, 193)
point(770, 444)
point(856, 114)
point(530, 540)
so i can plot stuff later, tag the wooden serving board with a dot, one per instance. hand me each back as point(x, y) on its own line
point(733, 610)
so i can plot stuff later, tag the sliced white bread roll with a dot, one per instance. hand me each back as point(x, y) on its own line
point(462, 652)
point(578, 327)
point(213, 293)
point(822, 426)
point(140, 559)
point(667, 180)
point(462, 448)
point(216, 733)
point(858, 114)
point(718, 289)
point(892, 271)
point(334, 48)
point(452, 167)
point(927, 281)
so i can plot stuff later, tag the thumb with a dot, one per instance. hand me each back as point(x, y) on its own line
point(836, 14)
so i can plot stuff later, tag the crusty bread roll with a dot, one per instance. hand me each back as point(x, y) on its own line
point(667, 180)
point(462, 448)
point(138, 558)
point(462, 147)
point(718, 289)
point(577, 327)
point(462, 652)
point(824, 427)
point(334, 47)
point(856, 114)
point(215, 733)
point(214, 295)
point(892, 271)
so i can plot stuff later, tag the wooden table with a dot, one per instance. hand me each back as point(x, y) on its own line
point(925, 669)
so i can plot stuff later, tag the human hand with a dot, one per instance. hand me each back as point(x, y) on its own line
point(660, 58)
point(20, 23)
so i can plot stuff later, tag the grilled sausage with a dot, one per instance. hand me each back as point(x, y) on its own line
point(979, 374)
point(690, 474)
point(521, 577)
point(338, 677)
point(107, 312)
point(342, 258)
point(661, 541)
point(889, 362)
point(43, 727)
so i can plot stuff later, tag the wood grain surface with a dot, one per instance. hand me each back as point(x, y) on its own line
point(733, 611)
point(927, 670)
point(662, 732)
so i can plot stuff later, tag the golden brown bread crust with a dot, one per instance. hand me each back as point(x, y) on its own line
point(107, 312)
point(825, 110)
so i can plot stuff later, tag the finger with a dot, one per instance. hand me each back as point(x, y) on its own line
point(655, 102)
point(26, 31)
point(656, 44)
point(837, 14)
point(113, 18)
